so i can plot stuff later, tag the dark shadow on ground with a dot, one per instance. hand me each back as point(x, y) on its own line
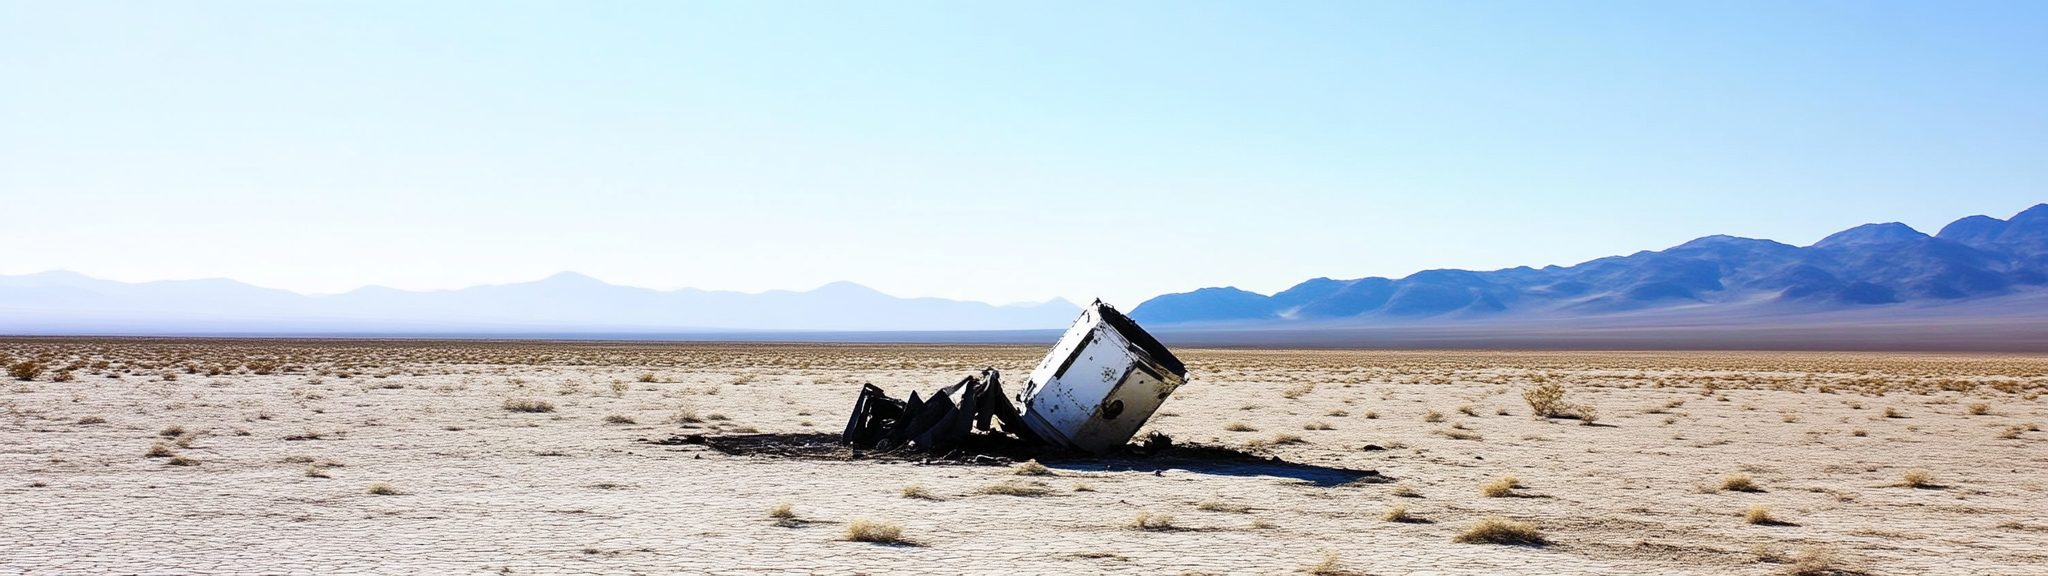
point(993, 450)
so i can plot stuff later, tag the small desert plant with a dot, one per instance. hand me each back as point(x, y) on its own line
point(92, 420)
point(1405, 491)
point(1917, 478)
point(1758, 514)
point(26, 370)
point(1432, 416)
point(1812, 562)
point(1980, 409)
point(383, 489)
point(1498, 530)
point(1890, 412)
point(1030, 489)
point(182, 461)
point(1398, 513)
point(1083, 487)
point(1239, 427)
point(171, 432)
point(1545, 400)
point(782, 511)
point(1221, 506)
point(918, 491)
point(1147, 520)
point(871, 530)
point(1293, 392)
point(1740, 483)
point(159, 450)
point(1031, 468)
point(1858, 432)
point(619, 419)
point(316, 472)
point(649, 377)
point(1331, 565)
point(1370, 415)
point(528, 405)
point(1500, 487)
point(1317, 426)
point(1467, 410)
point(684, 414)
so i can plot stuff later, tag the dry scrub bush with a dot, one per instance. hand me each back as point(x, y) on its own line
point(1467, 410)
point(182, 461)
point(1405, 491)
point(1498, 530)
point(917, 491)
point(1546, 400)
point(1030, 489)
point(528, 405)
point(1147, 520)
point(1398, 513)
point(1980, 409)
point(1890, 412)
point(1758, 514)
point(93, 420)
point(1221, 506)
point(159, 450)
point(171, 432)
point(877, 531)
point(1740, 483)
point(1812, 562)
point(1331, 565)
point(1500, 488)
point(316, 472)
point(1917, 478)
point(1317, 426)
point(782, 511)
point(619, 419)
point(1371, 415)
point(1239, 427)
point(1293, 392)
point(383, 489)
point(1432, 416)
point(1031, 468)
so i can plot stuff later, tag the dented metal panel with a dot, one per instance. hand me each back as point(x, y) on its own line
point(1104, 378)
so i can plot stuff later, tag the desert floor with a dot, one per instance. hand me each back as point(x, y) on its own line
point(269, 454)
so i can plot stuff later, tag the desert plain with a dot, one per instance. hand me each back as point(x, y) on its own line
point(194, 456)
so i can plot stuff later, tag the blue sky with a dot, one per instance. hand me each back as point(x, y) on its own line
point(997, 151)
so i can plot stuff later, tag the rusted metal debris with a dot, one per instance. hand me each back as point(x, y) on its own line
point(1094, 390)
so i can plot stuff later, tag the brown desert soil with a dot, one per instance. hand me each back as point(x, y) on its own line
point(409, 457)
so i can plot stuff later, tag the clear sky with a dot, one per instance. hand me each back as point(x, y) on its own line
point(996, 151)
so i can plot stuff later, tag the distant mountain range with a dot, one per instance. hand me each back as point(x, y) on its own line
point(564, 304)
point(1975, 267)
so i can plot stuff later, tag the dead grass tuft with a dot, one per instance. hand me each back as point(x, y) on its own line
point(917, 491)
point(1815, 561)
point(1500, 488)
point(876, 531)
point(1740, 483)
point(1147, 520)
point(1239, 427)
point(1758, 514)
point(1918, 478)
point(1221, 506)
point(383, 489)
point(1499, 530)
point(782, 511)
point(1013, 488)
point(182, 461)
point(1031, 468)
point(159, 450)
point(619, 419)
point(92, 420)
point(1399, 513)
point(1980, 409)
point(528, 405)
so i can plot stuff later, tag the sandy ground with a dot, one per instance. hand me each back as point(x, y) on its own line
point(287, 439)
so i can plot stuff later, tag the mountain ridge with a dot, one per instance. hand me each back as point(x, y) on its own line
point(1977, 258)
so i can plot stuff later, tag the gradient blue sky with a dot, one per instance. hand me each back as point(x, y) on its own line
point(988, 150)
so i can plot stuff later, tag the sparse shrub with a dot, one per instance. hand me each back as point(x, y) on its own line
point(877, 531)
point(1293, 392)
point(648, 377)
point(383, 489)
point(1546, 400)
point(26, 370)
point(1460, 434)
point(159, 450)
point(1398, 513)
point(1405, 491)
point(1467, 410)
point(1858, 432)
point(917, 491)
point(528, 405)
point(1239, 427)
point(1500, 488)
point(782, 511)
point(1031, 468)
point(1980, 409)
point(182, 461)
point(1918, 478)
point(1221, 506)
point(1083, 487)
point(316, 471)
point(716, 417)
point(1371, 415)
point(1890, 412)
point(619, 419)
point(1788, 417)
point(1028, 489)
point(1499, 530)
point(171, 432)
point(1758, 514)
point(92, 420)
point(1814, 561)
point(1147, 520)
point(1331, 565)
point(1740, 483)
point(1432, 416)
point(1317, 426)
